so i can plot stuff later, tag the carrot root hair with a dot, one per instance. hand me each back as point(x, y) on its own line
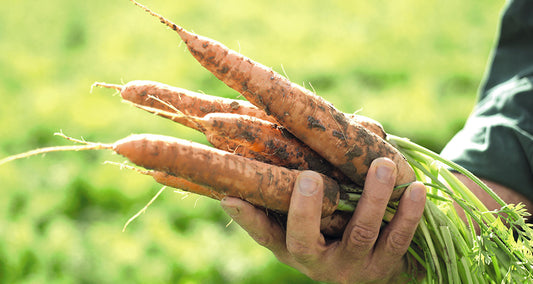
point(107, 85)
point(124, 165)
point(177, 116)
point(87, 146)
point(143, 210)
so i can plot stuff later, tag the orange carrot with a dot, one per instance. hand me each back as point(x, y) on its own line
point(181, 183)
point(175, 182)
point(168, 98)
point(255, 138)
point(317, 123)
point(153, 94)
point(259, 183)
point(370, 124)
point(332, 225)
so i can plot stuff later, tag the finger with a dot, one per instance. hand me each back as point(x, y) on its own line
point(363, 229)
point(259, 226)
point(396, 237)
point(304, 239)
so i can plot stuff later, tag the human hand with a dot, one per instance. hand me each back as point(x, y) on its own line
point(367, 252)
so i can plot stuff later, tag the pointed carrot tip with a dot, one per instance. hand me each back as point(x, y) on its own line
point(106, 85)
point(162, 19)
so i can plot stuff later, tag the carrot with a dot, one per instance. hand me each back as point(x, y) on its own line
point(255, 138)
point(261, 184)
point(332, 225)
point(174, 181)
point(317, 123)
point(142, 92)
point(153, 94)
point(181, 183)
point(369, 123)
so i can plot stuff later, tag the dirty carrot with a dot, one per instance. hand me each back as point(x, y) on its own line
point(317, 123)
point(369, 123)
point(167, 179)
point(142, 92)
point(261, 184)
point(173, 181)
point(332, 225)
point(255, 138)
point(186, 185)
point(168, 98)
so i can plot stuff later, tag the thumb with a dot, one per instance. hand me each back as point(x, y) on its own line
point(308, 183)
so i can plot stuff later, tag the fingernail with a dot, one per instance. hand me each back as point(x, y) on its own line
point(384, 173)
point(416, 193)
point(232, 211)
point(307, 185)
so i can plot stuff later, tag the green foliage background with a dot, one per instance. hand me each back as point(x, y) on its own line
point(413, 65)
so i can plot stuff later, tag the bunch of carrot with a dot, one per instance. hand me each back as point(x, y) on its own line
point(261, 145)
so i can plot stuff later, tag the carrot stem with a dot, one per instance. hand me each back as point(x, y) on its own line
point(405, 143)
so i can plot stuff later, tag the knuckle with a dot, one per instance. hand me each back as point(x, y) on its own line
point(363, 236)
point(301, 252)
point(398, 242)
point(263, 240)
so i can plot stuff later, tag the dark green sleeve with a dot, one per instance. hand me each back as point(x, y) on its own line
point(497, 140)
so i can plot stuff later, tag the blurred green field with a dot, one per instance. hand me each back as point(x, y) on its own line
point(413, 65)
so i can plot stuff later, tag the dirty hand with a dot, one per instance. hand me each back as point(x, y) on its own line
point(367, 252)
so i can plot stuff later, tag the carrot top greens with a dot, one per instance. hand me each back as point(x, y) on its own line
point(451, 251)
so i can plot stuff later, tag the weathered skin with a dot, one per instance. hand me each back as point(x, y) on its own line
point(259, 183)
